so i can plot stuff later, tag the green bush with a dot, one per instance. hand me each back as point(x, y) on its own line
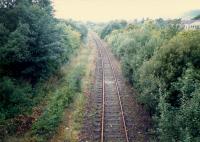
point(33, 47)
point(172, 65)
point(189, 119)
point(135, 45)
point(46, 125)
point(79, 27)
point(113, 25)
point(74, 78)
point(176, 66)
point(15, 98)
point(164, 65)
point(48, 122)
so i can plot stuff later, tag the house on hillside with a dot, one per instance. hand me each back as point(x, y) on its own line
point(191, 24)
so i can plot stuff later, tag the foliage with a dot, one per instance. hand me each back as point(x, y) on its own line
point(191, 14)
point(163, 64)
point(74, 79)
point(19, 56)
point(33, 46)
point(114, 25)
point(196, 17)
point(137, 44)
point(14, 97)
point(79, 27)
point(180, 78)
point(69, 41)
point(47, 123)
point(171, 65)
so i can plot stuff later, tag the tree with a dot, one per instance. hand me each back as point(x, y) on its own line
point(197, 17)
point(114, 25)
point(33, 46)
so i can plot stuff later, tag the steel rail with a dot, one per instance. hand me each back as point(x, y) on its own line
point(118, 93)
point(103, 94)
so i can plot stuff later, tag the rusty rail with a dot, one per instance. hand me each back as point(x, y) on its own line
point(103, 93)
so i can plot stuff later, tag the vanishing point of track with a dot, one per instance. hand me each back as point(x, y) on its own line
point(113, 125)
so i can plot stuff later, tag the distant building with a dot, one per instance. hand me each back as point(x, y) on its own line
point(191, 24)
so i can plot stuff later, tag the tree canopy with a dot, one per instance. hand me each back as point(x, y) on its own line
point(33, 46)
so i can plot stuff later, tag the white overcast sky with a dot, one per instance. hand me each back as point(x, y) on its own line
point(105, 10)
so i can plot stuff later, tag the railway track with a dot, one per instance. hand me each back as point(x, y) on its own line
point(112, 120)
point(112, 113)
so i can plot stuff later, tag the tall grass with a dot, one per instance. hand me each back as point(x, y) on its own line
point(47, 123)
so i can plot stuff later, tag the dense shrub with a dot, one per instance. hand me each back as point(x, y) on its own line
point(47, 123)
point(79, 27)
point(33, 43)
point(164, 65)
point(74, 79)
point(33, 46)
point(197, 17)
point(176, 66)
point(135, 45)
point(15, 97)
point(113, 25)
point(29, 27)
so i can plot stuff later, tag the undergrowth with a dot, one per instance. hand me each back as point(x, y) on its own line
point(60, 98)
